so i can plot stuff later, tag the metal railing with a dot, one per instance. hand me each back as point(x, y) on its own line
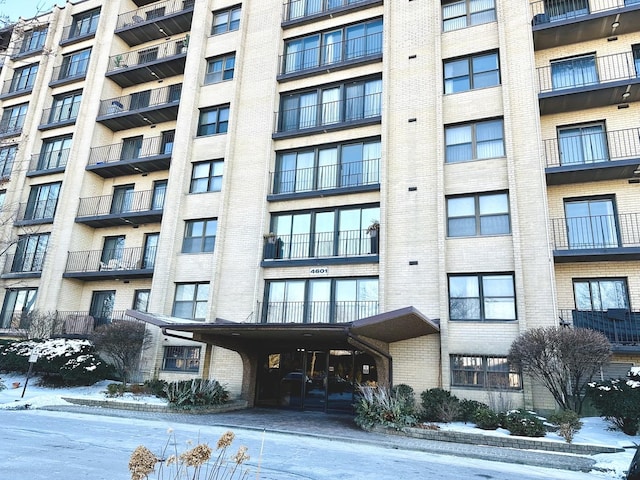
point(332, 54)
point(83, 323)
point(299, 9)
point(27, 262)
point(547, 11)
point(14, 86)
point(49, 160)
point(43, 210)
point(589, 148)
point(596, 231)
point(621, 326)
point(329, 113)
point(347, 243)
point(153, 12)
point(586, 71)
point(143, 56)
point(76, 31)
point(27, 46)
point(152, 98)
point(116, 152)
point(13, 126)
point(315, 312)
point(348, 174)
point(130, 202)
point(61, 113)
point(66, 72)
point(116, 260)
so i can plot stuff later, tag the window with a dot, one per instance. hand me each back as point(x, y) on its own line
point(482, 214)
point(85, 23)
point(7, 157)
point(30, 253)
point(42, 201)
point(112, 253)
point(101, 309)
point(206, 176)
point(33, 40)
point(580, 144)
point(200, 236)
point(564, 9)
point(75, 64)
point(181, 359)
point(591, 223)
point(464, 13)
point(141, 300)
point(331, 105)
point(13, 119)
point(352, 42)
point(150, 249)
point(23, 78)
point(191, 300)
point(3, 196)
point(159, 194)
point(122, 200)
point(574, 72)
point(474, 141)
point(213, 120)
point(65, 107)
point(54, 153)
point(601, 294)
point(18, 303)
point(478, 71)
point(220, 68)
point(226, 20)
point(140, 100)
point(636, 57)
point(147, 55)
point(484, 372)
point(482, 297)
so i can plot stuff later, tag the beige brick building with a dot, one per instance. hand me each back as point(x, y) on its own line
point(308, 195)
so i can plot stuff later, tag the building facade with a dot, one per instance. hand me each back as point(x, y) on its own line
point(311, 195)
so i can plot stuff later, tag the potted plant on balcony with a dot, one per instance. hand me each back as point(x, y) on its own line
point(373, 230)
point(185, 43)
point(272, 246)
point(117, 61)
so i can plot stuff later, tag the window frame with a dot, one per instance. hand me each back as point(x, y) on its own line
point(29, 257)
point(482, 298)
point(34, 210)
point(90, 18)
point(187, 355)
point(468, 15)
point(7, 158)
point(199, 243)
point(471, 73)
point(623, 285)
point(213, 181)
point(224, 68)
point(483, 373)
point(13, 118)
point(195, 302)
point(71, 62)
point(478, 216)
point(231, 24)
point(11, 298)
point(58, 146)
point(28, 72)
point(69, 100)
point(37, 34)
point(473, 126)
point(219, 126)
point(577, 154)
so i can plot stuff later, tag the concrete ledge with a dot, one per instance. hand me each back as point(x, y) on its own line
point(146, 407)
point(521, 443)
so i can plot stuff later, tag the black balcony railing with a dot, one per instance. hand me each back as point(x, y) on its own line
point(117, 152)
point(327, 114)
point(300, 9)
point(316, 312)
point(41, 211)
point(588, 148)
point(130, 202)
point(328, 56)
point(41, 162)
point(78, 31)
point(151, 98)
point(17, 86)
point(83, 323)
point(621, 326)
point(350, 243)
point(13, 126)
point(115, 261)
point(153, 12)
point(547, 11)
point(60, 114)
point(586, 71)
point(148, 55)
point(28, 262)
point(596, 232)
point(69, 72)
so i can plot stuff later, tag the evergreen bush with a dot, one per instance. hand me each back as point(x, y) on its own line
point(524, 423)
point(618, 401)
point(437, 403)
point(486, 419)
point(381, 406)
point(468, 409)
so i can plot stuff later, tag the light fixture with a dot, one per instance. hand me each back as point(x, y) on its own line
point(615, 24)
point(235, 334)
point(626, 95)
point(307, 335)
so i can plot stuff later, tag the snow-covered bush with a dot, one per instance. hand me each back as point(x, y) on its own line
point(524, 423)
point(618, 401)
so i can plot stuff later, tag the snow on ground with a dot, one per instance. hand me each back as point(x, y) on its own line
point(595, 430)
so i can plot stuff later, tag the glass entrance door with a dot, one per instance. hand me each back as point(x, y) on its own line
point(315, 385)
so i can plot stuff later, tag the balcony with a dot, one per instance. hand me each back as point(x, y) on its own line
point(68, 73)
point(596, 238)
point(119, 159)
point(562, 22)
point(336, 179)
point(592, 157)
point(159, 20)
point(297, 12)
point(620, 326)
point(36, 213)
point(78, 32)
point(140, 109)
point(588, 82)
point(334, 56)
point(25, 265)
point(16, 87)
point(130, 208)
point(321, 117)
point(47, 163)
point(12, 127)
point(125, 263)
point(62, 115)
point(315, 312)
point(148, 64)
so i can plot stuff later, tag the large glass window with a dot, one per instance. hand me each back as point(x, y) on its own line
point(75, 64)
point(482, 297)
point(601, 294)
point(206, 176)
point(65, 107)
point(200, 236)
point(42, 202)
point(484, 372)
point(85, 23)
point(181, 359)
point(23, 78)
point(226, 20)
point(191, 300)
point(33, 40)
point(477, 71)
point(474, 141)
point(101, 309)
point(54, 153)
point(220, 68)
point(13, 119)
point(7, 157)
point(122, 200)
point(141, 300)
point(18, 303)
point(213, 120)
point(591, 223)
point(30, 253)
point(574, 72)
point(581, 144)
point(464, 13)
point(482, 214)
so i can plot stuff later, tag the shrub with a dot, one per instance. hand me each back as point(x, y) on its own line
point(2, 385)
point(155, 387)
point(436, 403)
point(468, 409)
point(486, 419)
point(404, 393)
point(524, 423)
point(568, 423)
point(618, 401)
point(196, 392)
point(381, 406)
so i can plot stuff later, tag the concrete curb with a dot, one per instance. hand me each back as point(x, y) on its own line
point(145, 407)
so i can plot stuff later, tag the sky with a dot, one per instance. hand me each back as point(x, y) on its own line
point(26, 8)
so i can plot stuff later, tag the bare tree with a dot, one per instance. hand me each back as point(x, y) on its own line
point(563, 359)
point(122, 342)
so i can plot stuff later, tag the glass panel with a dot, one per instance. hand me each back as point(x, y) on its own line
point(591, 224)
point(319, 301)
point(324, 234)
point(327, 167)
point(459, 143)
point(315, 385)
